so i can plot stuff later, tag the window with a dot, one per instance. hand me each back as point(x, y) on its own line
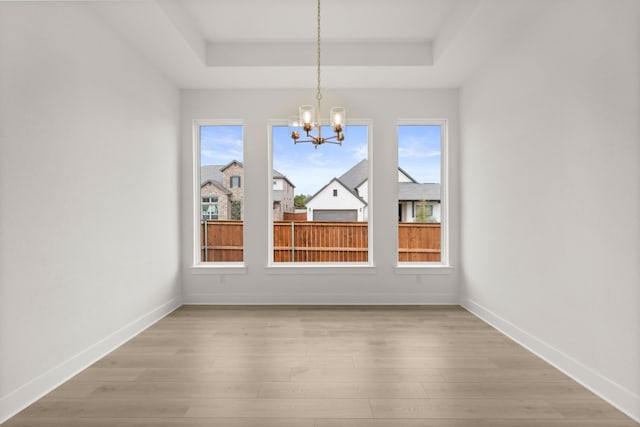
point(424, 212)
point(421, 199)
point(219, 168)
point(209, 208)
point(321, 213)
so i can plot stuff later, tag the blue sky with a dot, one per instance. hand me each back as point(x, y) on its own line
point(419, 152)
point(220, 145)
point(310, 169)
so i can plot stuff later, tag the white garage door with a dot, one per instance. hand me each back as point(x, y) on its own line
point(341, 215)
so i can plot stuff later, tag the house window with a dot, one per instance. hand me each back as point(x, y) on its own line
point(219, 165)
point(424, 211)
point(421, 195)
point(332, 184)
point(209, 208)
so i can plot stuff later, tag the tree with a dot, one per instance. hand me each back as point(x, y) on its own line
point(300, 200)
point(236, 209)
point(423, 211)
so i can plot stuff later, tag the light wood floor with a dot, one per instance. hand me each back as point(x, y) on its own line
point(320, 367)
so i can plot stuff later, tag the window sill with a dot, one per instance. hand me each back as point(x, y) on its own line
point(421, 268)
point(316, 268)
point(222, 268)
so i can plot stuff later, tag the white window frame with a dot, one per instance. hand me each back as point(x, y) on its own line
point(321, 267)
point(198, 266)
point(443, 266)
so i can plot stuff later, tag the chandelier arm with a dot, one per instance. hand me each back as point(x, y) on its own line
point(333, 142)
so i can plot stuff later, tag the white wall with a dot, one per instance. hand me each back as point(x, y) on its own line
point(403, 178)
point(89, 217)
point(437, 212)
point(257, 284)
point(553, 121)
point(363, 191)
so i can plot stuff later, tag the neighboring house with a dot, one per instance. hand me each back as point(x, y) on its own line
point(222, 192)
point(282, 196)
point(417, 202)
point(336, 202)
point(346, 198)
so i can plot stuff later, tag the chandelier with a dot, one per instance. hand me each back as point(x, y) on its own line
point(309, 119)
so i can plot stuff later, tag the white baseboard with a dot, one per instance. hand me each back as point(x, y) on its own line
point(321, 299)
point(18, 399)
point(618, 396)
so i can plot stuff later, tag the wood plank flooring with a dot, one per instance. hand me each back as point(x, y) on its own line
point(320, 367)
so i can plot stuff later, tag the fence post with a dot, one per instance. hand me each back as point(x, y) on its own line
point(293, 244)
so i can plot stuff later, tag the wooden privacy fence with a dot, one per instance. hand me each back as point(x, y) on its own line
point(314, 241)
point(289, 216)
point(418, 242)
point(221, 241)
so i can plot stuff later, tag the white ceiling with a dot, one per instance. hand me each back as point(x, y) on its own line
point(366, 43)
point(342, 20)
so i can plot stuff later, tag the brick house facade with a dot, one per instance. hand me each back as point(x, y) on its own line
point(222, 192)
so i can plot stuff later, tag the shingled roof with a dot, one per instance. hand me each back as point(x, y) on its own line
point(356, 175)
point(416, 191)
point(359, 173)
point(213, 174)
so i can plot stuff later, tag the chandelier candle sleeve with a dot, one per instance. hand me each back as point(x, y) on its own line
point(294, 127)
point(338, 116)
point(307, 116)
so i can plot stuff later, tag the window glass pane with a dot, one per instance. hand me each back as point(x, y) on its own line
point(419, 193)
point(320, 205)
point(221, 166)
point(210, 211)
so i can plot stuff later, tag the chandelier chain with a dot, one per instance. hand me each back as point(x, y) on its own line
point(318, 93)
point(308, 120)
